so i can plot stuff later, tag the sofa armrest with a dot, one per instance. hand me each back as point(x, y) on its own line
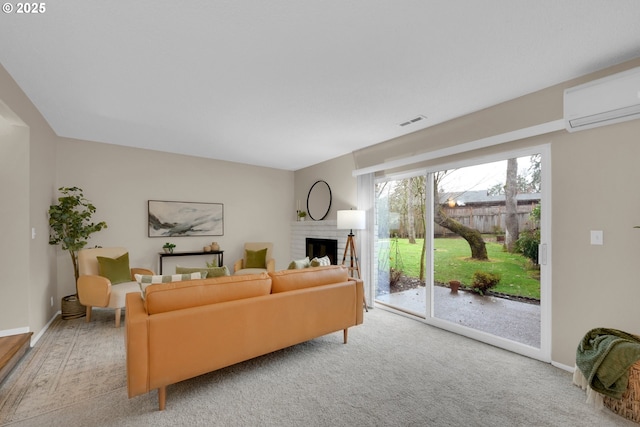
point(238, 265)
point(136, 345)
point(142, 271)
point(94, 291)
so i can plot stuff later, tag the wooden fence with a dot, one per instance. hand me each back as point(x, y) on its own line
point(486, 219)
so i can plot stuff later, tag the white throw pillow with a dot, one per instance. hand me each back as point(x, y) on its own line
point(145, 280)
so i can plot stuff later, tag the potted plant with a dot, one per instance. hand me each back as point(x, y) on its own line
point(301, 215)
point(168, 247)
point(70, 227)
point(454, 285)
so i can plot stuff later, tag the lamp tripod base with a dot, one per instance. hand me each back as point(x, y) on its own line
point(353, 266)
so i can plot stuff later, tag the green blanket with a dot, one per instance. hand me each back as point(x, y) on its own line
point(604, 357)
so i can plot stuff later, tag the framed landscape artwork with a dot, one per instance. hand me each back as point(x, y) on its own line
point(175, 219)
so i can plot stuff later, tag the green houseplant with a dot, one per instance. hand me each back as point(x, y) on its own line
point(70, 227)
point(168, 247)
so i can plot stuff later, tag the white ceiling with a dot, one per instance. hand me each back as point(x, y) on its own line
point(288, 84)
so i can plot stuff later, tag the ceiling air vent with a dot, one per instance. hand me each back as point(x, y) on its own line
point(413, 121)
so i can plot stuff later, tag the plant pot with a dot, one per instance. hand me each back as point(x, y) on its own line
point(454, 285)
point(71, 307)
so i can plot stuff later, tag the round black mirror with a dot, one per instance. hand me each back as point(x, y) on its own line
point(319, 200)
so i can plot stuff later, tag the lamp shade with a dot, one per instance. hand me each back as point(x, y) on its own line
point(351, 220)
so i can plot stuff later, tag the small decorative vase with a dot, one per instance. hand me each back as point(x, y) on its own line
point(206, 249)
point(215, 246)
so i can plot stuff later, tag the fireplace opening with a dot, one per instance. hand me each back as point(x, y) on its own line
point(317, 248)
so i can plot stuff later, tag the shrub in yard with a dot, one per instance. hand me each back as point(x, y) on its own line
point(483, 281)
point(528, 243)
point(529, 239)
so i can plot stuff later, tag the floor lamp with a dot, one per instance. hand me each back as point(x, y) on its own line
point(352, 220)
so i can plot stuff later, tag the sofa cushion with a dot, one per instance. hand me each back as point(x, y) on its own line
point(165, 297)
point(289, 280)
point(209, 271)
point(115, 269)
point(255, 259)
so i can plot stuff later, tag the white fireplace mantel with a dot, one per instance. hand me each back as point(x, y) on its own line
point(300, 230)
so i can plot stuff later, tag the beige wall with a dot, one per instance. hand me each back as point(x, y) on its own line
point(258, 205)
point(119, 181)
point(28, 178)
point(14, 162)
point(338, 173)
point(594, 177)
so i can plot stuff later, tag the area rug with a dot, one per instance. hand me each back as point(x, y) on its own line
point(73, 361)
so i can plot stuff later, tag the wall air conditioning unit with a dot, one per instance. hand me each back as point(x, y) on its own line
point(601, 102)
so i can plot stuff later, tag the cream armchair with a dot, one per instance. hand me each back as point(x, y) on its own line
point(252, 262)
point(96, 290)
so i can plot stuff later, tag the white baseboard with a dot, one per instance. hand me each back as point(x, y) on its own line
point(564, 367)
point(35, 339)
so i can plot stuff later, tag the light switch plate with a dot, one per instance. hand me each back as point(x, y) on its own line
point(596, 237)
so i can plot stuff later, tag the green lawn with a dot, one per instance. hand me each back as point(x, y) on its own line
point(452, 262)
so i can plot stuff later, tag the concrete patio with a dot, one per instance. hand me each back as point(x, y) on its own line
point(514, 320)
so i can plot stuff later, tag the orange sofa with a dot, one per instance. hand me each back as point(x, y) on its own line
point(184, 329)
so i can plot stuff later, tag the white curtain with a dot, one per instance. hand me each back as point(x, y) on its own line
point(366, 203)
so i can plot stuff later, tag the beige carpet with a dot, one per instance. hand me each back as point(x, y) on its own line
point(394, 372)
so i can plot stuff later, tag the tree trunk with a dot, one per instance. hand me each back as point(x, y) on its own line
point(510, 192)
point(422, 202)
point(76, 269)
point(411, 221)
point(472, 236)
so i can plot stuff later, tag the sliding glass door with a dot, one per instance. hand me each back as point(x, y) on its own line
point(400, 243)
point(459, 246)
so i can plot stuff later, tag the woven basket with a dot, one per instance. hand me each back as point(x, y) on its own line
point(71, 308)
point(629, 405)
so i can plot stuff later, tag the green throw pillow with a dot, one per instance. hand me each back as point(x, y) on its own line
point(298, 264)
point(116, 270)
point(256, 259)
point(319, 262)
point(204, 271)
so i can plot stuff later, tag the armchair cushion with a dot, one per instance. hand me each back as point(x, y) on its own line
point(115, 269)
point(255, 259)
